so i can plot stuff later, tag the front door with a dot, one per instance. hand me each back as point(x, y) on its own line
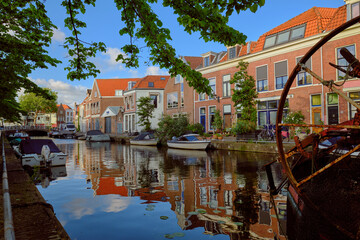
point(227, 121)
point(108, 125)
point(333, 114)
point(316, 118)
point(203, 118)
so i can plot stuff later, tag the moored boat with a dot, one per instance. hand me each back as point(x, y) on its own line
point(96, 136)
point(189, 141)
point(40, 152)
point(145, 138)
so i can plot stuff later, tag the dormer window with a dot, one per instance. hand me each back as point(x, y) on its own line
point(150, 84)
point(118, 92)
point(288, 35)
point(178, 79)
point(131, 85)
point(206, 61)
point(355, 9)
point(232, 52)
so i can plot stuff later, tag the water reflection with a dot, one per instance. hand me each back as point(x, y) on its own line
point(158, 193)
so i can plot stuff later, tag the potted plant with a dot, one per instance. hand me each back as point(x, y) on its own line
point(218, 121)
point(219, 136)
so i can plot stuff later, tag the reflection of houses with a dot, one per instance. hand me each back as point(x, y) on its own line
point(216, 199)
point(149, 86)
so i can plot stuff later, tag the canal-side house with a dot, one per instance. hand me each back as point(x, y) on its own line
point(106, 93)
point(64, 115)
point(272, 58)
point(178, 95)
point(150, 86)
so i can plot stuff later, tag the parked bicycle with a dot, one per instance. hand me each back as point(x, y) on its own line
point(267, 133)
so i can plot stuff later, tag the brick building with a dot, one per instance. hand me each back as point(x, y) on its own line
point(271, 59)
point(105, 93)
point(178, 95)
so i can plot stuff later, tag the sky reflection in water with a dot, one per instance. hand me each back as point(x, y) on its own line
point(114, 191)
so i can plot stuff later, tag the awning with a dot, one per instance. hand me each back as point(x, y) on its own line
point(111, 111)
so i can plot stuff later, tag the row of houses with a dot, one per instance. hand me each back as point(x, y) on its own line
point(111, 104)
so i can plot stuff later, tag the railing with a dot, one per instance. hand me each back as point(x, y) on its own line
point(26, 127)
point(8, 221)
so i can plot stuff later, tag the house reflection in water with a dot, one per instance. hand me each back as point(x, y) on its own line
point(223, 196)
point(219, 192)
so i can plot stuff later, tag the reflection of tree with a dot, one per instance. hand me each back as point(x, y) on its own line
point(246, 202)
point(145, 176)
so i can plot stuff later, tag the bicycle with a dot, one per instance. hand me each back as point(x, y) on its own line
point(267, 133)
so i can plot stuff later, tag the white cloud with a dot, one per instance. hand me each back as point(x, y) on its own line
point(67, 94)
point(108, 62)
point(153, 70)
point(58, 36)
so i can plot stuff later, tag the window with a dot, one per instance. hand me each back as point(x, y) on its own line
point(267, 112)
point(342, 62)
point(178, 79)
point(226, 86)
point(316, 100)
point(154, 100)
point(95, 93)
point(150, 84)
point(212, 83)
point(206, 61)
point(182, 93)
point(211, 117)
point(201, 96)
point(355, 9)
point(131, 85)
point(356, 97)
point(261, 78)
point(280, 74)
point(232, 52)
point(285, 36)
point(118, 92)
point(172, 100)
point(304, 78)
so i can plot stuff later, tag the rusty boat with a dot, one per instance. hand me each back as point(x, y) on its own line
point(323, 178)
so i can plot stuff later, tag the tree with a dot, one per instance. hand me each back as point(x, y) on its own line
point(218, 121)
point(172, 127)
point(145, 110)
point(244, 98)
point(26, 31)
point(30, 102)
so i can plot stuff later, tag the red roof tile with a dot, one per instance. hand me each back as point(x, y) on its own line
point(107, 87)
point(156, 79)
point(193, 62)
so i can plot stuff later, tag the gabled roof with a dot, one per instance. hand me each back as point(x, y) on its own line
point(317, 20)
point(193, 62)
point(64, 106)
point(158, 80)
point(107, 87)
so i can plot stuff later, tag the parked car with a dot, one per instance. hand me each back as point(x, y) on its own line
point(70, 127)
point(54, 133)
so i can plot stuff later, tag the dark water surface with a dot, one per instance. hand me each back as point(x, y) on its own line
point(114, 191)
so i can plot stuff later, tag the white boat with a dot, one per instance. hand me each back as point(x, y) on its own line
point(189, 141)
point(96, 136)
point(145, 139)
point(40, 152)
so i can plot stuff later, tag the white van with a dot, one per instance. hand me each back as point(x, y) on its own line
point(70, 127)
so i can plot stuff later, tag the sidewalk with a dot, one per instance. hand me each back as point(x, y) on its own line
point(33, 218)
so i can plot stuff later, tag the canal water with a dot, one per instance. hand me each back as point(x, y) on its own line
point(114, 191)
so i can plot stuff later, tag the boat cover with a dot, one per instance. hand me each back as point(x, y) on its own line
point(94, 132)
point(31, 146)
point(145, 136)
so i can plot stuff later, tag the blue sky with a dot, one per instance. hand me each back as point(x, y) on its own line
point(103, 24)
